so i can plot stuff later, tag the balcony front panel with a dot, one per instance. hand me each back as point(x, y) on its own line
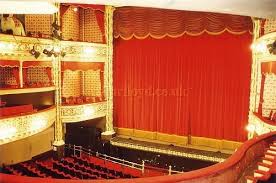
point(22, 126)
point(77, 113)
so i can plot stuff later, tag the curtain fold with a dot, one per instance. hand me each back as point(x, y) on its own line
point(140, 23)
point(191, 85)
point(100, 21)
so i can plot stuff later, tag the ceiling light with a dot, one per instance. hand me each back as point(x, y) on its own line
point(75, 9)
point(27, 7)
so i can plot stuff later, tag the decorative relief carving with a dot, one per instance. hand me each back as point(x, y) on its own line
point(15, 47)
point(260, 126)
point(19, 127)
point(77, 113)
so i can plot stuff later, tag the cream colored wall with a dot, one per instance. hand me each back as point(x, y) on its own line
point(25, 149)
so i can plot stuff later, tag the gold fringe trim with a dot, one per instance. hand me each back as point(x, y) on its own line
point(179, 140)
point(179, 35)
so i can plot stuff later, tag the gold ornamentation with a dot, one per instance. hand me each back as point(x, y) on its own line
point(77, 113)
point(108, 69)
point(261, 127)
point(26, 125)
point(26, 90)
point(260, 54)
point(168, 151)
point(17, 48)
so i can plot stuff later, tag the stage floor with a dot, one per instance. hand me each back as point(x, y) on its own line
point(198, 153)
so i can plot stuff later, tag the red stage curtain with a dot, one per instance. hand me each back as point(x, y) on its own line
point(140, 23)
point(197, 85)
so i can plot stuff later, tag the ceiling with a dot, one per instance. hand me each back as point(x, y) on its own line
point(254, 8)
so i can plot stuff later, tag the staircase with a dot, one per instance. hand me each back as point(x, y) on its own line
point(266, 167)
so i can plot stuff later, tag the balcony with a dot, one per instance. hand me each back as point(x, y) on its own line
point(77, 113)
point(22, 126)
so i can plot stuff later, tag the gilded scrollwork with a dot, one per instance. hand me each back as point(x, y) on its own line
point(77, 113)
point(19, 127)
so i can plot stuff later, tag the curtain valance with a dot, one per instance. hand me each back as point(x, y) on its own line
point(9, 63)
point(28, 64)
point(83, 66)
point(141, 23)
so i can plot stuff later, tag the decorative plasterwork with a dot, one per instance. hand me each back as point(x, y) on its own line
point(19, 127)
point(260, 54)
point(260, 49)
point(77, 113)
point(83, 51)
point(260, 126)
point(17, 48)
point(168, 151)
point(26, 90)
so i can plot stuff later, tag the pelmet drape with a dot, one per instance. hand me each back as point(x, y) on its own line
point(187, 85)
point(140, 23)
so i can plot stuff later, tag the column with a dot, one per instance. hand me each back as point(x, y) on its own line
point(21, 73)
point(58, 145)
point(254, 77)
point(108, 73)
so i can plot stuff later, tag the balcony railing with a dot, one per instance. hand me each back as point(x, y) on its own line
point(22, 126)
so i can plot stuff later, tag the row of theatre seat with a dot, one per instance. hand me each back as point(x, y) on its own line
point(67, 168)
point(266, 170)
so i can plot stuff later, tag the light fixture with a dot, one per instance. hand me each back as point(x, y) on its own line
point(250, 128)
point(75, 9)
point(55, 51)
point(48, 53)
point(34, 52)
point(27, 7)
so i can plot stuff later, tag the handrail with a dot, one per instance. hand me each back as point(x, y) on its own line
point(122, 162)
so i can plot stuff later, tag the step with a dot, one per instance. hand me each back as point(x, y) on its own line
point(267, 161)
point(272, 146)
point(271, 151)
point(270, 156)
point(263, 167)
point(259, 173)
point(250, 179)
